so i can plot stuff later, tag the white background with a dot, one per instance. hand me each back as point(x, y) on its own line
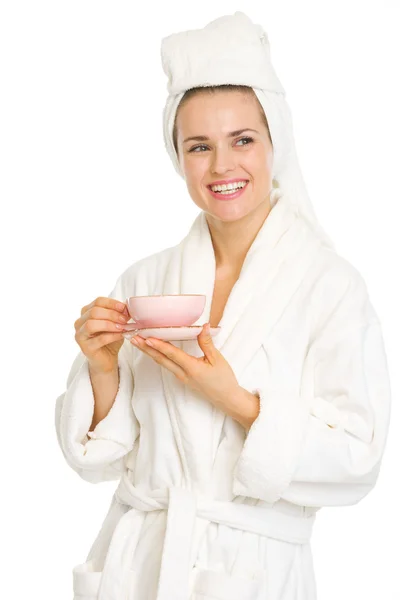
point(87, 188)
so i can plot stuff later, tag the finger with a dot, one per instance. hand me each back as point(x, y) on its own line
point(99, 312)
point(178, 356)
point(160, 358)
point(92, 327)
point(97, 342)
point(206, 343)
point(105, 302)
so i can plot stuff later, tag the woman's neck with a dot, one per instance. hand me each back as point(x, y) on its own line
point(232, 241)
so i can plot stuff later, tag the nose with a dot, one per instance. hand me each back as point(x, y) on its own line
point(222, 160)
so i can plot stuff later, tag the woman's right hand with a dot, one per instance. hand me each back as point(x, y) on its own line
point(97, 335)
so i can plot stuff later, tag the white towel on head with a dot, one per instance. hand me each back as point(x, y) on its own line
point(233, 50)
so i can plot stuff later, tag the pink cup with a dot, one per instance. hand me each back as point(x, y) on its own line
point(177, 310)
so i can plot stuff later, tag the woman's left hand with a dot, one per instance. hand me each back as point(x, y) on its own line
point(210, 374)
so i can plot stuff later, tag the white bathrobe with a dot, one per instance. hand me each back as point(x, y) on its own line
point(202, 510)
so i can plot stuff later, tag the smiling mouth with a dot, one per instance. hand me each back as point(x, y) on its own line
point(229, 190)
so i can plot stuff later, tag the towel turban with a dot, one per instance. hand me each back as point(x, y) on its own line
point(233, 50)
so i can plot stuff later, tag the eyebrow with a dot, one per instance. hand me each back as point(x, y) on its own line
point(204, 138)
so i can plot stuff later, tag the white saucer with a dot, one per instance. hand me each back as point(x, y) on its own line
point(170, 334)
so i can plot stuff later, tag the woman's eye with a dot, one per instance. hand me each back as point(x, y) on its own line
point(247, 139)
point(196, 147)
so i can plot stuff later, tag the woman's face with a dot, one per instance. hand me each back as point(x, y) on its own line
point(245, 156)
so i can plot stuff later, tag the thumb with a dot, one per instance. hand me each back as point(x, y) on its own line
point(207, 345)
point(205, 336)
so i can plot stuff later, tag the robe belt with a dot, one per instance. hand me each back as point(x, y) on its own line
point(183, 506)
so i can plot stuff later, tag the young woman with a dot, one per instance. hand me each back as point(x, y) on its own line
point(226, 447)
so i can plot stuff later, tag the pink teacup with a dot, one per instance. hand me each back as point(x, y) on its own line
point(177, 310)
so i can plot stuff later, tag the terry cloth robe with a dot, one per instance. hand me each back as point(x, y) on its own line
point(203, 510)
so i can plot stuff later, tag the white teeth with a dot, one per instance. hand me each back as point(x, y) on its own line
point(229, 186)
point(227, 192)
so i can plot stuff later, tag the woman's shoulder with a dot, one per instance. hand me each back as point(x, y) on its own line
point(340, 292)
point(335, 273)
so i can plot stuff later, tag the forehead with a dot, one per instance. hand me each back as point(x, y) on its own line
point(217, 112)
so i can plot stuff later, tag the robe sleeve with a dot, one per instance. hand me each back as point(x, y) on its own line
point(324, 446)
point(99, 455)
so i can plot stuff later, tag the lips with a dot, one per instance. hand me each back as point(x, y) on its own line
point(230, 196)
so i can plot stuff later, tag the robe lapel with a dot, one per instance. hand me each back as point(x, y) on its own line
point(265, 308)
point(274, 268)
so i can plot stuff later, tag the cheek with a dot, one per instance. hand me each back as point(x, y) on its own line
point(195, 177)
point(261, 170)
point(269, 161)
point(194, 168)
point(255, 160)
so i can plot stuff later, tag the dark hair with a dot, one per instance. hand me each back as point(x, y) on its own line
point(212, 89)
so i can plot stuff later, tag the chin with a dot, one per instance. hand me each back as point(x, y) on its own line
point(229, 217)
